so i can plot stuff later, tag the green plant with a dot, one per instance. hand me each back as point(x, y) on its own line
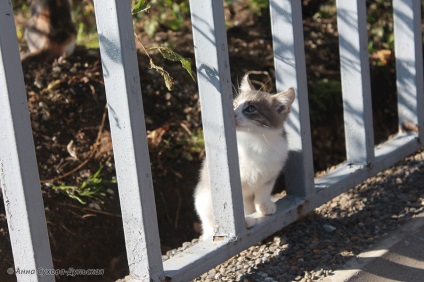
point(380, 19)
point(254, 6)
point(167, 13)
point(142, 7)
point(22, 7)
point(327, 10)
point(93, 187)
point(194, 144)
point(325, 97)
point(257, 5)
point(83, 15)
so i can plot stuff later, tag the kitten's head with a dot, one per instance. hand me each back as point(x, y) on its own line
point(260, 112)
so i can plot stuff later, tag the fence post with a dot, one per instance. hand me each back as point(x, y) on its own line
point(290, 71)
point(356, 86)
point(213, 71)
point(19, 178)
point(409, 62)
point(126, 117)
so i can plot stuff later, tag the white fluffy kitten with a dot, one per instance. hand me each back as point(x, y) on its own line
point(262, 150)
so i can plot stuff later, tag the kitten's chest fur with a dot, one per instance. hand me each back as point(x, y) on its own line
point(261, 157)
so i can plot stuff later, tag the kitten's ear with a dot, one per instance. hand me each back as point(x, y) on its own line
point(284, 100)
point(246, 85)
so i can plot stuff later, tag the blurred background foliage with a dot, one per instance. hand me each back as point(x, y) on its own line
point(163, 15)
point(173, 15)
point(324, 85)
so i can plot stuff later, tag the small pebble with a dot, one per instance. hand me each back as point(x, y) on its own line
point(95, 206)
point(329, 228)
point(211, 274)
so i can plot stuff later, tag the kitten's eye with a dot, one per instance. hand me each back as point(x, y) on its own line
point(250, 109)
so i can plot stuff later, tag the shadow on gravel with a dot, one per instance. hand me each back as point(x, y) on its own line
point(349, 224)
point(400, 257)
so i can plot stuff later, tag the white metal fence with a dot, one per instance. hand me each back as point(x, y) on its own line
point(18, 168)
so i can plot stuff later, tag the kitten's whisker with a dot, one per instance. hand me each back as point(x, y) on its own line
point(263, 135)
point(263, 85)
point(235, 90)
point(267, 83)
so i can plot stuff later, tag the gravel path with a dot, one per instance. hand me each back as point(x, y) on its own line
point(312, 248)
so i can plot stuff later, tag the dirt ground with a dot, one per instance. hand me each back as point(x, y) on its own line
point(66, 100)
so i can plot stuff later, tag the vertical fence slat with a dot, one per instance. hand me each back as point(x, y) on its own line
point(409, 61)
point(19, 178)
point(290, 69)
point(126, 116)
point(213, 71)
point(355, 74)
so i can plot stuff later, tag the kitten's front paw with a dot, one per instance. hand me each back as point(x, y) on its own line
point(250, 221)
point(266, 208)
point(207, 232)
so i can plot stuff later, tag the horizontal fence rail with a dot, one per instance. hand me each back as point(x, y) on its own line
point(19, 175)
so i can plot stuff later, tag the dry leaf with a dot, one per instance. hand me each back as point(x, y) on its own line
point(155, 136)
point(384, 56)
point(71, 150)
point(54, 84)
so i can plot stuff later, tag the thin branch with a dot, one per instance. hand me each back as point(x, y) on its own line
point(142, 45)
point(90, 210)
point(93, 151)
